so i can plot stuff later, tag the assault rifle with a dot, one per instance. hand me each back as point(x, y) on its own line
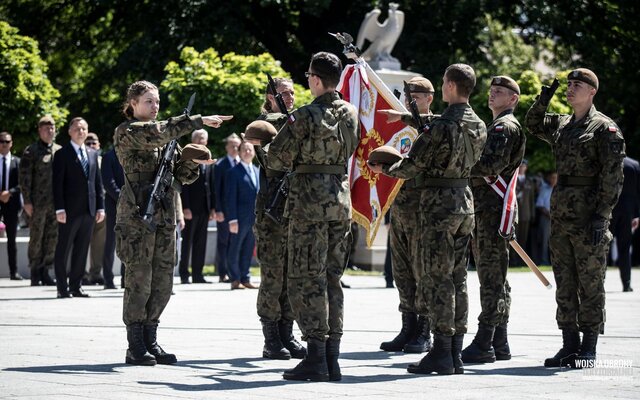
point(413, 107)
point(163, 178)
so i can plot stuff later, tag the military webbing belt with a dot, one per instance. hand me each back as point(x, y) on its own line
point(416, 182)
point(567, 180)
point(446, 182)
point(141, 176)
point(320, 169)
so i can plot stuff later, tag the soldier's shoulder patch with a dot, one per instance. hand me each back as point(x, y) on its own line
point(499, 128)
point(612, 129)
point(291, 119)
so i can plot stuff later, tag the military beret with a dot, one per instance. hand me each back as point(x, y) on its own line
point(260, 130)
point(505, 81)
point(46, 120)
point(92, 136)
point(195, 152)
point(384, 155)
point(420, 84)
point(584, 75)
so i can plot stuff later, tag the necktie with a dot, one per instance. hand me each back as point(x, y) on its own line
point(252, 175)
point(4, 173)
point(84, 162)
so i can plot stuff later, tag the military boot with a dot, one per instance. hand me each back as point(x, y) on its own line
point(333, 352)
point(285, 328)
point(45, 278)
point(587, 356)
point(500, 343)
point(409, 323)
point(273, 347)
point(566, 356)
point(35, 276)
point(314, 365)
point(421, 340)
point(456, 353)
point(150, 341)
point(438, 359)
point(481, 349)
point(137, 353)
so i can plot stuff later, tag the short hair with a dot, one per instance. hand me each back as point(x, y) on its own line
point(76, 119)
point(134, 91)
point(233, 136)
point(463, 76)
point(266, 107)
point(328, 67)
point(200, 132)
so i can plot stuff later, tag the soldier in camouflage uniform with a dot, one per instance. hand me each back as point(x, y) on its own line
point(502, 156)
point(444, 154)
point(37, 192)
point(315, 145)
point(415, 335)
point(273, 305)
point(588, 148)
point(149, 256)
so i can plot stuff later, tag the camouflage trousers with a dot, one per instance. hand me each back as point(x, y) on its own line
point(271, 250)
point(579, 269)
point(445, 252)
point(43, 236)
point(405, 260)
point(317, 253)
point(491, 254)
point(149, 259)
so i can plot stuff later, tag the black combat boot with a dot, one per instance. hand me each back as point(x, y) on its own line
point(456, 353)
point(333, 352)
point(150, 341)
point(45, 278)
point(285, 328)
point(421, 340)
point(481, 349)
point(587, 356)
point(273, 347)
point(438, 359)
point(314, 365)
point(35, 276)
point(500, 343)
point(409, 324)
point(137, 353)
point(566, 356)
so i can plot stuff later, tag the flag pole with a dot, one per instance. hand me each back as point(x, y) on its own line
point(532, 266)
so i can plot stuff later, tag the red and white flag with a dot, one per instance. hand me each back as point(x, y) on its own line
point(509, 203)
point(372, 194)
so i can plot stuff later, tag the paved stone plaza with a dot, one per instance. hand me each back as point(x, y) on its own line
point(74, 348)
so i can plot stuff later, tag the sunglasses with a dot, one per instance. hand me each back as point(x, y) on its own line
point(5, 141)
point(91, 143)
point(308, 74)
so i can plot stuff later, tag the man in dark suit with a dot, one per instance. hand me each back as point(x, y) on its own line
point(241, 188)
point(112, 179)
point(10, 204)
point(624, 218)
point(79, 202)
point(198, 209)
point(219, 172)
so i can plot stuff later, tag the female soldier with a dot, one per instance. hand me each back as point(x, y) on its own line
point(149, 256)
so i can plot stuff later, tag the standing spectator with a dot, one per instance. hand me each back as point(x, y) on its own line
point(525, 193)
point(543, 206)
point(112, 181)
point(241, 188)
point(9, 199)
point(98, 237)
point(36, 187)
point(78, 201)
point(219, 172)
point(198, 209)
point(625, 219)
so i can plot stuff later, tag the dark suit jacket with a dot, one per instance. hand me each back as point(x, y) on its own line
point(72, 190)
point(219, 174)
point(240, 195)
point(199, 196)
point(13, 205)
point(629, 200)
point(112, 175)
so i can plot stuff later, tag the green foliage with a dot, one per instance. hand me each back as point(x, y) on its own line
point(25, 88)
point(229, 85)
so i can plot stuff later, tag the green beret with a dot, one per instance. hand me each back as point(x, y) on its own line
point(195, 152)
point(420, 84)
point(584, 75)
point(505, 81)
point(384, 155)
point(260, 130)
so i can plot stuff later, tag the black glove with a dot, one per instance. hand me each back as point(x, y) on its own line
point(546, 93)
point(598, 229)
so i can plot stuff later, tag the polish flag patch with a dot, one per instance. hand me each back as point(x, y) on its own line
point(499, 128)
point(613, 129)
point(292, 119)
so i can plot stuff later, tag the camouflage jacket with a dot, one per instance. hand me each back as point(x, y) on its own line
point(591, 147)
point(36, 174)
point(323, 133)
point(448, 149)
point(269, 178)
point(502, 155)
point(139, 148)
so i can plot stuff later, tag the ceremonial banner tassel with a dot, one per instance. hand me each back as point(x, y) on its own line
point(372, 194)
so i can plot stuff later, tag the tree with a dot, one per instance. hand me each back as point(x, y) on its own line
point(25, 88)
